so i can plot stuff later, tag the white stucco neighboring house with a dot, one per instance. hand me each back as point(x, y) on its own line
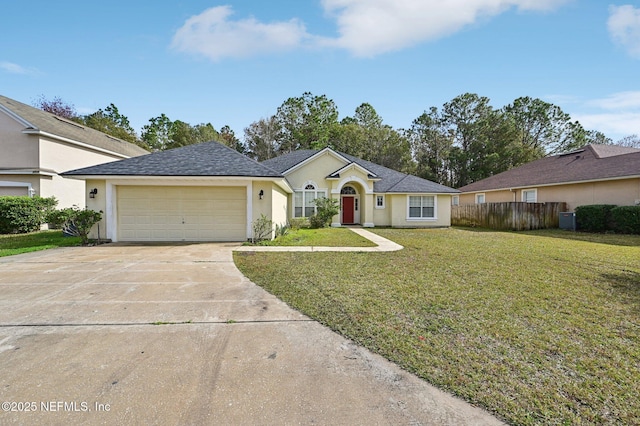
point(37, 146)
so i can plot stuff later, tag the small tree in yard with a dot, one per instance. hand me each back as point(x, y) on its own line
point(76, 222)
point(262, 229)
point(326, 209)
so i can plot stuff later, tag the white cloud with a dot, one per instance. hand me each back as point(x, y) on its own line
point(370, 27)
point(616, 115)
point(215, 36)
point(624, 28)
point(619, 101)
point(12, 68)
point(365, 27)
point(614, 125)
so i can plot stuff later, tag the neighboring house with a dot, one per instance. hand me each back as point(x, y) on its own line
point(209, 192)
point(37, 146)
point(594, 174)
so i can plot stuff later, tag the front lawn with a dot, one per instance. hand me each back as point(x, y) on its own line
point(23, 243)
point(537, 327)
point(323, 237)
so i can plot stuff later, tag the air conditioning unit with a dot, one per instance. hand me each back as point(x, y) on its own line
point(568, 221)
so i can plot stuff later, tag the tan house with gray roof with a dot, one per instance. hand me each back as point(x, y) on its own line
point(37, 147)
point(210, 192)
point(594, 174)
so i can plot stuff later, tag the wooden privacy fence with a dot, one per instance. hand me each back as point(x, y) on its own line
point(515, 216)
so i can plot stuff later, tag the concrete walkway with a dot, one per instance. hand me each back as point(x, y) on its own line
point(174, 334)
point(383, 244)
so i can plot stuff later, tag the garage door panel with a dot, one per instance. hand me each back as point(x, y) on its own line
point(181, 213)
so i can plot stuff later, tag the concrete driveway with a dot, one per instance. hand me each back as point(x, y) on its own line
point(174, 334)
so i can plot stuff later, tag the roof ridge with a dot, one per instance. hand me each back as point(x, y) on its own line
point(406, 175)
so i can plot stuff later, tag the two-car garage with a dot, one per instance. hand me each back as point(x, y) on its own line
point(201, 192)
point(181, 213)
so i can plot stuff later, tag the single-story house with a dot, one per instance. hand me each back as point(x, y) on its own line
point(209, 192)
point(593, 174)
point(370, 194)
point(37, 146)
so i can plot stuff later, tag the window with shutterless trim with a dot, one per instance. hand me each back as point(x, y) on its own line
point(422, 207)
point(303, 200)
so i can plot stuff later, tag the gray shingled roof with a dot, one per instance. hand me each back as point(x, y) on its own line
point(286, 161)
point(390, 180)
point(592, 162)
point(204, 159)
point(49, 123)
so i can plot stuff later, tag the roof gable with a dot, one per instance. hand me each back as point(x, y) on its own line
point(604, 151)
point(350, 166)
point(37, 121)
point(592, 162)
point(385, 179)
point(204, 159)
point(315, 154)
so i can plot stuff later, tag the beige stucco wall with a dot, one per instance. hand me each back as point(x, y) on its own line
point(98, 204)
point(315, 171)
point(382, 217)
point(18, 149)
point(399, 212)
point(623, 192)
point(279, 201)
point(61, 157)
point(273, 204)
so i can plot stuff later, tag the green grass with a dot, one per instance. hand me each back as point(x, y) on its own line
point(323, 237)
point(24, 243)
point(540, 328)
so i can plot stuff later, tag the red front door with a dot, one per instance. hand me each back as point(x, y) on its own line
point(347, 210)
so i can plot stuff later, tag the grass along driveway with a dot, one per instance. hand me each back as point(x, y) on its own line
point(322, 237)
point(24, 243)
point(537, 329)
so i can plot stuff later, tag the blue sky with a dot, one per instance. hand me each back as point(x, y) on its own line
point(234, 62)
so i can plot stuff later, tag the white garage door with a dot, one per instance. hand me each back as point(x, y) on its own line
point(13, 191)
point(172, 213)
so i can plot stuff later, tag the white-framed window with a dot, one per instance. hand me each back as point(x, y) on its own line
point(480, 199)
point(455, 200)
point(529, 195)
point(303, 200)
point(421, 207)
point(379, 201)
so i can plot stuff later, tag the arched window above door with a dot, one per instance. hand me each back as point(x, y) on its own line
point(348, 190)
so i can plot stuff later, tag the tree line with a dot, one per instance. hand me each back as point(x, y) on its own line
point(159, 134)
point(462, 142)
